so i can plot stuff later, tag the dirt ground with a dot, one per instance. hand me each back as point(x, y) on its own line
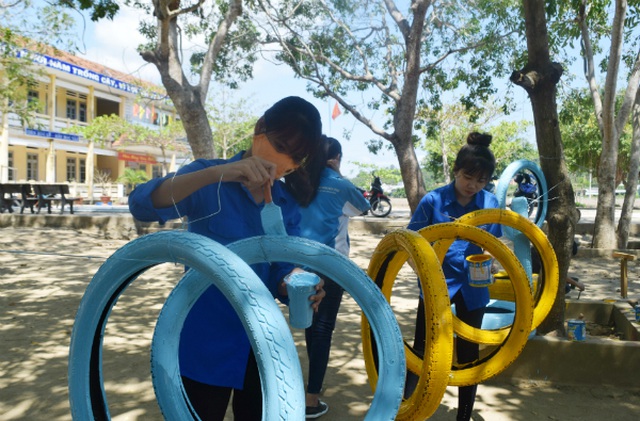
point(44, 273)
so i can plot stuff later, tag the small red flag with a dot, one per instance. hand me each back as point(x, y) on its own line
point(336, 111)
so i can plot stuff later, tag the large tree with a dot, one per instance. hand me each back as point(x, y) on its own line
point(581, 135)
point(539, 78)
point(168, 26)
point(632, 178)
point(380, 60)
point(593, 24)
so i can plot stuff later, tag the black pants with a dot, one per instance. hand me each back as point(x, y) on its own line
point(211, 402)
point(465, 352)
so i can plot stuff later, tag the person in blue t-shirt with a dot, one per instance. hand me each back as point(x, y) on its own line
point(222, 200)
point(326, 220)
point(473, 169)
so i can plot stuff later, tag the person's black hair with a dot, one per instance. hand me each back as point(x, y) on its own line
point(293, 126)
point(334, 148)
point(475, 158)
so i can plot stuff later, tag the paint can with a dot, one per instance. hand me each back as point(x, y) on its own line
point(479, 266)
point(576, 330)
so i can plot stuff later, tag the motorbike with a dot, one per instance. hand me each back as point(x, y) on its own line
point(380, 203)
point(528, 189)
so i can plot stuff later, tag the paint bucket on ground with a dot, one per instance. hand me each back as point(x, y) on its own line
point(576, 330)
point(480, 270)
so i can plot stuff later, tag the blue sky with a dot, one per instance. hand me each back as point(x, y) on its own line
point(113, 43)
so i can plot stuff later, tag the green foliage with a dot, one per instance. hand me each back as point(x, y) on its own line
point(102, 129)
point(358, 47)
point(447, 130)
point(581, 135)
point(131, 178)
point(25, 25)
point(388, 175)
point(98, 8)
point(232, 122)
point(167, 138)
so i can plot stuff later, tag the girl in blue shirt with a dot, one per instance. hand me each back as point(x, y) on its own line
point(473, 169)
point(326, 220)
point(222, 200)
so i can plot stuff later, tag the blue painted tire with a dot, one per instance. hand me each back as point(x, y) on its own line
point(344, 272)
point(283, 390)
point(510, 172)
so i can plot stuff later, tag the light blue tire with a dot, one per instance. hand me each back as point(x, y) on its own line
point(325, 260)
point(510, 172)
point(268, 331)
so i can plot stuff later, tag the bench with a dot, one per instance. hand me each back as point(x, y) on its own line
point(50, 193)
point(15, 194)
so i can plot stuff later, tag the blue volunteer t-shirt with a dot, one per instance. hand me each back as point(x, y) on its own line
point(214, 348)
point(440, 206)
point(320, 221)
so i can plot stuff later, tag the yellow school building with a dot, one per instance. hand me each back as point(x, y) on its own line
point(72, 91)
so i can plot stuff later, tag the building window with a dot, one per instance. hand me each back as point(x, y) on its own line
point(76, 106)
point(33, 98)
point(32, 166)
point(71, 169)
point(12, 170)
point(156, 171)
point(83, 171)
point(82, 111)
point(71, 109)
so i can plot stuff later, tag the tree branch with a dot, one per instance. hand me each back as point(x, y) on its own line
point(235, 10)
point(587, 51)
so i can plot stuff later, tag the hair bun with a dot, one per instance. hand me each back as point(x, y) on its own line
point(481, 139)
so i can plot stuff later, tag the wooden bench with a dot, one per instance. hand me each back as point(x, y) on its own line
point(50, 193)
point(17, 194)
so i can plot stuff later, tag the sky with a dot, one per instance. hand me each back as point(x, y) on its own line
point(113, 44)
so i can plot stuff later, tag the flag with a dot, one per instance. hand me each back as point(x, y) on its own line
point(336, 111)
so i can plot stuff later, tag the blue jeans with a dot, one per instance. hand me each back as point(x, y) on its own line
point(318, 335)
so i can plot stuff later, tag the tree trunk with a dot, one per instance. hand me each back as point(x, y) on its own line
point(188, 99)
point(411, 173)
point(539, 79)
point(604, 235)
point(4, 146)
point(632, 178)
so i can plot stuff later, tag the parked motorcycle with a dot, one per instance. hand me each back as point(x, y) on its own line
point(528, 189)
point(380, 203)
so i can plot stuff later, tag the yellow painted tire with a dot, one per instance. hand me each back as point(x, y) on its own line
point(515, 337)
point(502, 289)
point(435, 371)
point(544, 296)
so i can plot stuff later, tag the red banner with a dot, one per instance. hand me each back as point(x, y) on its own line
point(132, 157)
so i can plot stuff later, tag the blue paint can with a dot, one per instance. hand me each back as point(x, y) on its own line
point(576, 330)
point(479, 266)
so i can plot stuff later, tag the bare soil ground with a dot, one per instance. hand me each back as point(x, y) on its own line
point(44, 273)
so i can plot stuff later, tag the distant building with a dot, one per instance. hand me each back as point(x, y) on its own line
point(72, 92)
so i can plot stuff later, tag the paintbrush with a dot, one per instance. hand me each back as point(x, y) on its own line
point(271, 215)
